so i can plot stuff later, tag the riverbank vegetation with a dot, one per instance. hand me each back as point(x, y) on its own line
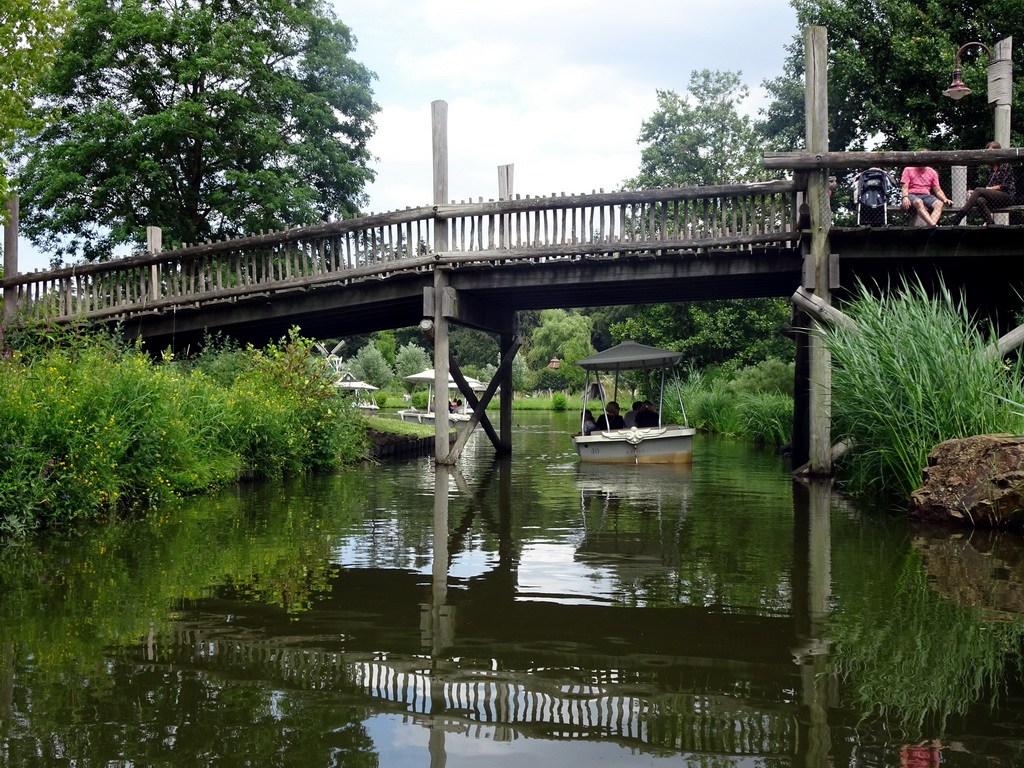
point(93, 426)
point(918, 370)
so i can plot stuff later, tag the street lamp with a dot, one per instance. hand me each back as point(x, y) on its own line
point(1000, 74)
point(957, 90)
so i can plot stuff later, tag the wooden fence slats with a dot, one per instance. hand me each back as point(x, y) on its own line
point(561, 225)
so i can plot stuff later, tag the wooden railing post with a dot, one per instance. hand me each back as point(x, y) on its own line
point(439, 133)
point(10, 257)
point(154, 244)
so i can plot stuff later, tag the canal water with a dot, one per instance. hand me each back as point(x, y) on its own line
point(528, 612)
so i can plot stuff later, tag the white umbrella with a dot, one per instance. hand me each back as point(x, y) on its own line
point(428, 376)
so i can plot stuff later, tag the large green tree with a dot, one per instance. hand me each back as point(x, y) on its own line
point(889, 61)
point(30, 32)
point(702, 137)
point(565, 335)
point(208, 118)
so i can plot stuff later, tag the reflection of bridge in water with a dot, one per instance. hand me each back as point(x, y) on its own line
point(482, 655)
point(549, 702)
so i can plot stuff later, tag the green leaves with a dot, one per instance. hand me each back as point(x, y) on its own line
point(207, 119)
point(889, 61)
point(30, 33)
point(700, 137)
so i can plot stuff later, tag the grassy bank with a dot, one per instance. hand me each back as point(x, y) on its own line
point(93, 427)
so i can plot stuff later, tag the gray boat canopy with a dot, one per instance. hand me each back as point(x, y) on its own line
point(630, 356)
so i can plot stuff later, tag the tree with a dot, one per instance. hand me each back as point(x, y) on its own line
point(411, 358)
point(701, 137)
point(30, 32)
point(370, 366)
point(697, 140)
point(736, 332)
point(889, 61)
point(204, 117)
point(565, 335)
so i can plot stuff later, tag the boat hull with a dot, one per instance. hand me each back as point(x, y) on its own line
point(669, 444)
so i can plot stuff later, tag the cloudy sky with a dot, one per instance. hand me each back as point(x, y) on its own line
point(558, 88)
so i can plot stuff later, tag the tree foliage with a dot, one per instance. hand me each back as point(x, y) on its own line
point(700, 137)
point(411, 359)
point(370, 366)
point(30, 32)
point(206, 118)
point(565, 335)
point(889, 61)
point(736, 332)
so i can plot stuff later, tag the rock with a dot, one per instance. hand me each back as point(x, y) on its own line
point(976, 481)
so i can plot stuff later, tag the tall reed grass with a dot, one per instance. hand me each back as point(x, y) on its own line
point(915, 372)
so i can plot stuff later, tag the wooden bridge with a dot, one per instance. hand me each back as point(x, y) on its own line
point(371, 272)
point(479, 263)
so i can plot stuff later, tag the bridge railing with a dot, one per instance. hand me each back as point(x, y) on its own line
point(683, 220)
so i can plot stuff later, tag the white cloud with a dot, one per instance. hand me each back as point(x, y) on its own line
point(559, 88)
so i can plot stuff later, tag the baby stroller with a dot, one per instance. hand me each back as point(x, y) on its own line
point(871, 191)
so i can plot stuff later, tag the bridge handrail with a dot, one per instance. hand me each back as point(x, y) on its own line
point(409, 215)
point(808, 161)
point(723, 217)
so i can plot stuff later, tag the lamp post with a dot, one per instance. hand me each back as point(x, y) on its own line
point(1000, 74)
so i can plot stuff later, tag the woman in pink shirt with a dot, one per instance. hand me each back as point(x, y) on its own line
point(918, 183)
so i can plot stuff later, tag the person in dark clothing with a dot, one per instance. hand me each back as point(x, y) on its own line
point(998, 193)
point(614, 420)
point(647, 417)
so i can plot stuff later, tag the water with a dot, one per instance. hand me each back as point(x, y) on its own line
point(533, 612)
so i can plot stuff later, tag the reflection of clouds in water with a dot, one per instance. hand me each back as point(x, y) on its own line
point(399, 746)
point(551, 573)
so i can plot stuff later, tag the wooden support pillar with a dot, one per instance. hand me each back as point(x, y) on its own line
point(801, 391)
point(817, 254)
point(509, 342)
point(10, 257)
point(441, 349)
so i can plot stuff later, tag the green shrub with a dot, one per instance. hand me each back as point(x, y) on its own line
point(770, 376)
point(94, 427)
point(419, 400)
point(559, 402)
point(714, 410)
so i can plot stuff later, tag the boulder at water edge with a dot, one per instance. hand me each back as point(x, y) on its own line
point(976, 481)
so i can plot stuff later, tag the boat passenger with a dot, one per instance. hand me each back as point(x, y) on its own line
point(588, 422)
point(613, 420)
point(630, 415)
point(648, 417)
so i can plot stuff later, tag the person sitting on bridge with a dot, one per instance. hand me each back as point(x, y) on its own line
point(999, 191)
point(648, 417)
point(610, 419)
point(918, 182)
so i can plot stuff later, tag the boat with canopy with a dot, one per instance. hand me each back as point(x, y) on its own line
point(661, 444)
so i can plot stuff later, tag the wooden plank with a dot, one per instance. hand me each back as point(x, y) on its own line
point(853, 160)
